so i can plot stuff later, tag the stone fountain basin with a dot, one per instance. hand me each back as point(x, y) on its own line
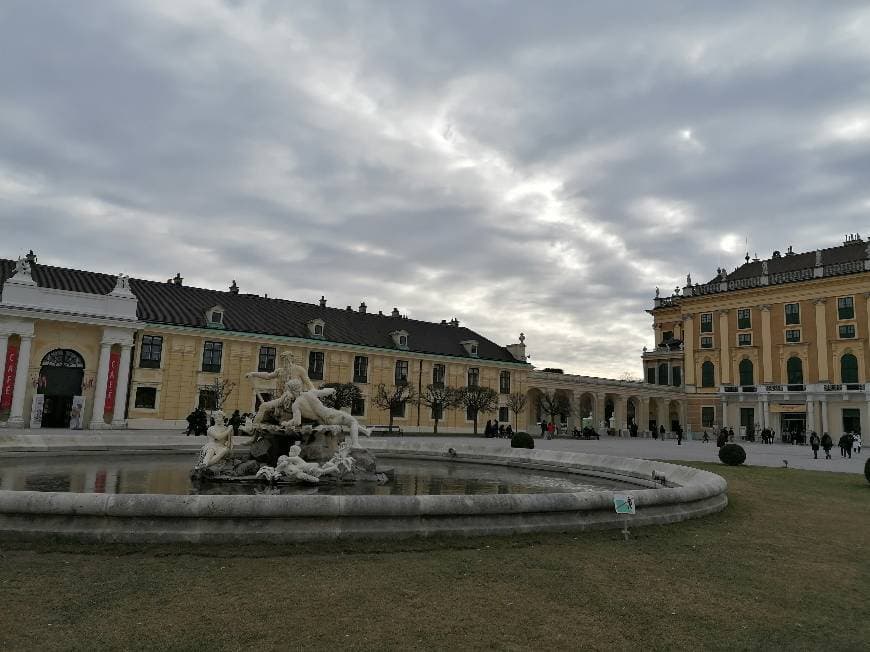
point(149, 518)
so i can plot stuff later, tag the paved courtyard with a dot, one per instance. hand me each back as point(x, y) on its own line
point(800, 457)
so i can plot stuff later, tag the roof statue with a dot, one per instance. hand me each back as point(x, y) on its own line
point(657, 291)
point(818, 257)
point(688, 279)
point(764, 268)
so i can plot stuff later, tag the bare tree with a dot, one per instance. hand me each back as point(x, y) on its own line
point(630, 377)
point(344, 396)
point(221, 388)
point(440, 398)
point(554, 404)
point(392, 399)
point(516, 403)
point(477, 400)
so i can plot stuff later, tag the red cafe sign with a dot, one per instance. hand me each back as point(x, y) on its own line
point(112, 382)
point(9, 378)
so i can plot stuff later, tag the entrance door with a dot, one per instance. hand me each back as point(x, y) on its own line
point(851, 420)
point(792, 424)
point(60, 379)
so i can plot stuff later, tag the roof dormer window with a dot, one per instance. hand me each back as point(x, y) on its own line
point(317, 328)
point(214, 317)
point(470, 347)
point(400, 339)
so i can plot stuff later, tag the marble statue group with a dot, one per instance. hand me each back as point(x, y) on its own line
point(298, 399)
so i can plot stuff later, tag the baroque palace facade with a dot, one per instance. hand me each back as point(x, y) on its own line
point(84, 349)
point(778, 343)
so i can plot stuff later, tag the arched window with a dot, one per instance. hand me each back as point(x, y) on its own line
point(795, 370)
point(746, 372)
point(849, 369)
point(708, 378)
point(63, 358)
point(663, 373)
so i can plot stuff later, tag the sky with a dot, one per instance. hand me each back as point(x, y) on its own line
point(535, 167)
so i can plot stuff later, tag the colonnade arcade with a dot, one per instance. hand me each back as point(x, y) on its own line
point(605, 404)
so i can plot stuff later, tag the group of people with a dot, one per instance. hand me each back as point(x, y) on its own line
point(199, 421)
point(496, 429)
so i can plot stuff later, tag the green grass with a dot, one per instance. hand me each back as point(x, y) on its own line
point(785, 566)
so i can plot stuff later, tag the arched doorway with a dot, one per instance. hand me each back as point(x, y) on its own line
point(586, 407)
point(60, 379)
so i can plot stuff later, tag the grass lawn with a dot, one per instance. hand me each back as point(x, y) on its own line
point(785, 566)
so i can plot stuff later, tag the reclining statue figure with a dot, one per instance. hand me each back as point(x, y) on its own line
point(288, 371)
point(307, 404)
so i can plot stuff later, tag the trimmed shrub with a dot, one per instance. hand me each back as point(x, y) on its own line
point(732, 454)
point(867, 469)
point(522, 440)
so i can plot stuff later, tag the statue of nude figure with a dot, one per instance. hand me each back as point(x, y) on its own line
point(307, 404)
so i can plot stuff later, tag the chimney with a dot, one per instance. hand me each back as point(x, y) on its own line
point(362, 308)
point(234, 289)
point(178, 280)
point(454, 322)
point(349, 309)
point(395, 312)
point(381, 313)
point(443, 322)
point(323, 301)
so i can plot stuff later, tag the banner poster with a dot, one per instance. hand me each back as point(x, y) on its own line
point(8, 381)
point(77, 413)
point(36, 410)
point(112, 381)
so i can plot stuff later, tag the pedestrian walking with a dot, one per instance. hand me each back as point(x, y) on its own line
point(856, 442)
point(543, 428)
point(815, 442)
point(235, 421)
point(827, 445)
point(679, 431)
point(551, 429)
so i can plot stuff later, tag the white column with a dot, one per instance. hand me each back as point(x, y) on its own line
point(865, 421)
point(724, 413)
point(4, 347)
point(823, 406)
point(118, 420)
point(811, 415)
point(765, 407)
point(100, 389)
point(16, 415)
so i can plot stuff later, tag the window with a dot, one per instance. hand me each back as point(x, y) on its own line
point(746, 372)
point(845, 308)
point(663, 373)
point(437, 411)
point(503, 414)
point(318, 329)
point(795, 371)
point(211, 356)
point(847, 331)
point(315, 365)
point(706, 322)
point(706, 342)
point(793, 335)
point(848, 369)
point(358, 407)
point(651, 375)
point(152, 348)
point(504, 382)
point(708, 416)
point(676, 376)
point(707, 375)
point(403, 340)
point(744, 339)
point(792, 313)
point(360, 369)
point(267, 359)
point(747, 420)
point(474, 349)
point(401, 374)
point(146, 397)
point(473, 377)
point(744, 319)
point(667, 336)
point(217, 317)
point(470, 413)
point(438, 375)
point(397, 411)
point(207, 399)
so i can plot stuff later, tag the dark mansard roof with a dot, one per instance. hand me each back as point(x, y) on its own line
point(180, 305)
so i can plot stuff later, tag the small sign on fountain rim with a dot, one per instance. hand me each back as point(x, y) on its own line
point(623, 504)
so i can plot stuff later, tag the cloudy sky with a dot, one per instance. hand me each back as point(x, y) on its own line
point(523, 166)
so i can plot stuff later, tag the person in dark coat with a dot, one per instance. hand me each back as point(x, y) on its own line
point(487, 430)
point(662, 431)
point(201, 423)
point(191, 423)
point(827, 445)
point(235, 421)
point(679, 431)
point(722, 439)
point(543, 429)
point(814, 444)
point(730, 434)
point(846, 445)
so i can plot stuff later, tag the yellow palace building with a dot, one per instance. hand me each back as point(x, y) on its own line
point(778, 343)
point(84, 349)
